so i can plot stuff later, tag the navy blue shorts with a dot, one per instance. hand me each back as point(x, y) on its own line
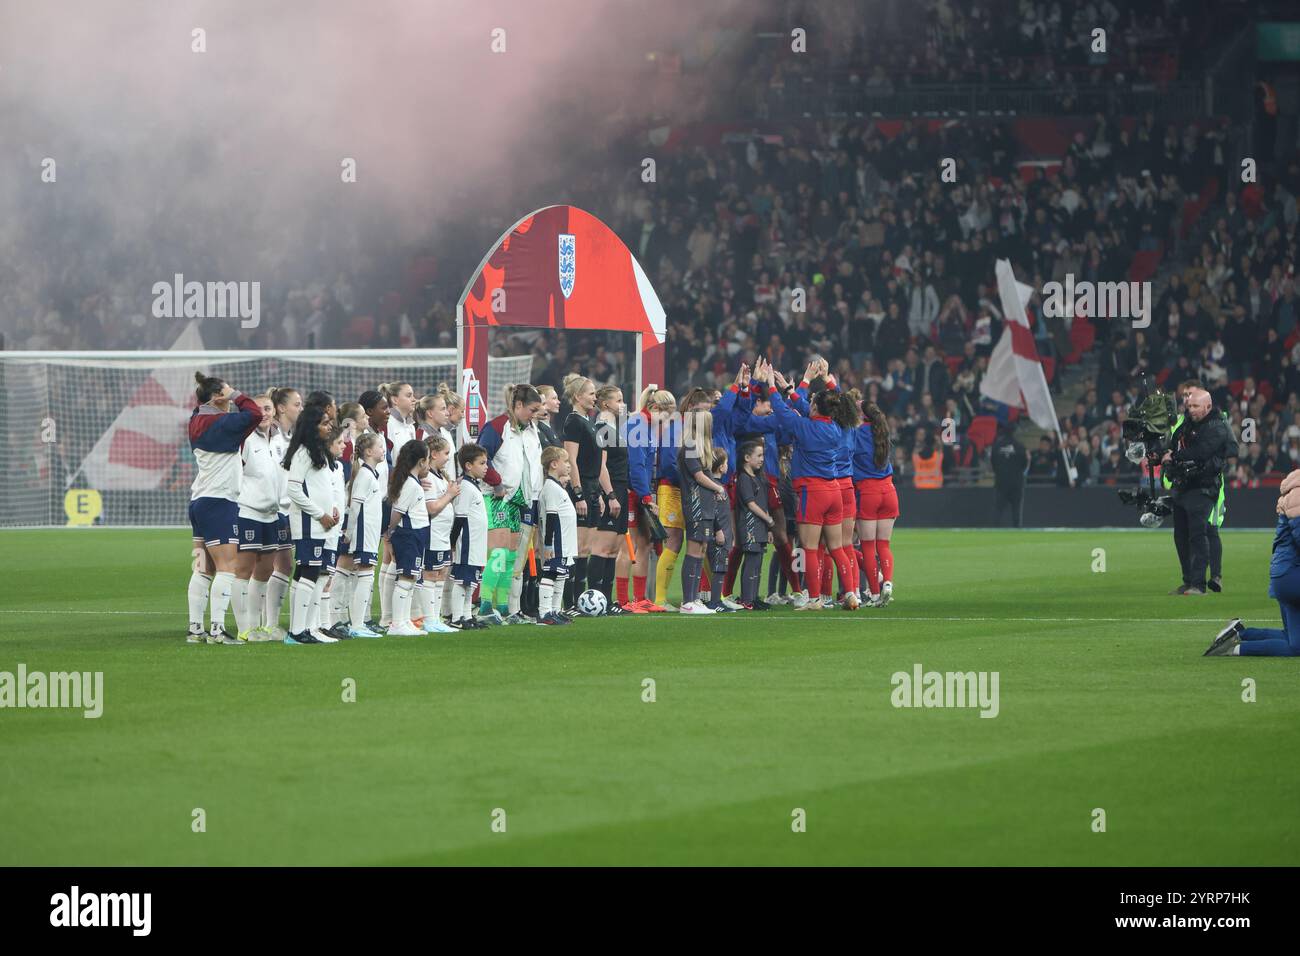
point(408, 551)
point(365, 558)
point(215, 521)
point(469, 574)
point(556, 568)
point(284, 540)
point(331, 557)
point(310, 552)
point(258, 535)
point(434, 560)
point(386, 515)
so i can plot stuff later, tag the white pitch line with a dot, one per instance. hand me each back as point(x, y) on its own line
point(826, 618)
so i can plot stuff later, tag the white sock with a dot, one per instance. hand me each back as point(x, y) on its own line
point(457, 602)
point(256, 602)
point(219, 597)
point(403, 591)
point(423, 589)
point(1236, 651)
point(433, 598)
point(545, 593)
point(200, 584)
point(239, 598)
point(300, 607)
point(327, 599)
point(360, 595)
point(516, 591)
point(387, 579)
point(276, 588)
point(342, 596)
point(467, 600)
point(317, 600)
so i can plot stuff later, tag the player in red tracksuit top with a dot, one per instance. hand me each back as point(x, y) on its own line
point(818, 446)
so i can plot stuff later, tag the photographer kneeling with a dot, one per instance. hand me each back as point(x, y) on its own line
point(1202, 445)
point(1283, 586)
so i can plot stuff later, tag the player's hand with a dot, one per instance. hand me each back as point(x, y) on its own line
point(720, 536)
point(614, 507)
point(328, 521)
point(453, 489)
point(499, 491)
point(1290, 503)
point(581, 507)
point(651, 505)
point(548, 554)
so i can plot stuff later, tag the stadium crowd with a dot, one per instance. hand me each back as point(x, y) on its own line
point(839, 238)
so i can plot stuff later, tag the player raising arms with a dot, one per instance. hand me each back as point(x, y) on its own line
point(873, 478)
point(817, 443)
point(259, 531)
point(218, 427)
point(762, 423)
point(312, 514)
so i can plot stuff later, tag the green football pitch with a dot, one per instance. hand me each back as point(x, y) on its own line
point(530, 745)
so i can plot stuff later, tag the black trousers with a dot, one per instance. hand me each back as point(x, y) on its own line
point(1192, 535)
point(1011, 497)
point(1216, 552)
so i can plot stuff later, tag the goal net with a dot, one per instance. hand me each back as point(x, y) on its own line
point(100, 438)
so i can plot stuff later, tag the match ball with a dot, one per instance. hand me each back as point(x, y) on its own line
point(591, 603)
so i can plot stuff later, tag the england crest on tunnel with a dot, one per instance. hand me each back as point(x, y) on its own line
point(567, 263)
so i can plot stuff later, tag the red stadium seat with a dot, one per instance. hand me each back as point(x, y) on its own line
point(954, 364)
point(1235, 387)
point(1162, 375)
point(1144, 265)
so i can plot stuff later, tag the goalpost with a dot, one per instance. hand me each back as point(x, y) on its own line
point(100, 438)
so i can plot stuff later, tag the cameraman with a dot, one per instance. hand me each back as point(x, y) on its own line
point(1202, 445)
point(1216, 514)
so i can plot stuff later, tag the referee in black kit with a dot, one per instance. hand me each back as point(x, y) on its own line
point(1203, 443)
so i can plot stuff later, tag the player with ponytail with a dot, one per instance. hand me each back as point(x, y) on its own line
point(217, 429)
point(873, 479)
